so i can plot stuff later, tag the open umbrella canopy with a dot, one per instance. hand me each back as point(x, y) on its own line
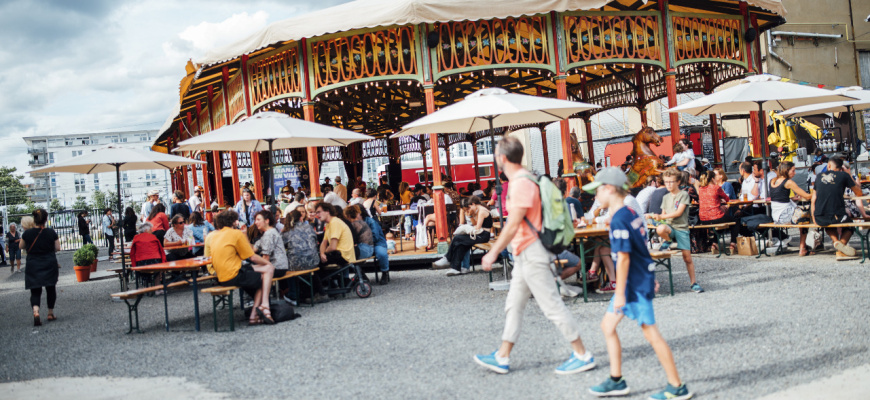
point(766, 90)
point(283, 131)
point(493, 108)
point(111, 159)
point(862, 102)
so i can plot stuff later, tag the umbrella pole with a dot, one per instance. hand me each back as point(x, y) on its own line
point(765, 168)
point(498, 188)
point(271, 177)
point(121, 231)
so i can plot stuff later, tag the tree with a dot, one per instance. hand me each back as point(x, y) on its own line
point(55, 205)
point(10, 184)
point(80, 204)
point(103, 200)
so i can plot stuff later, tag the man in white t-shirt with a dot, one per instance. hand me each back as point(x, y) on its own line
point(195, 201)
point(749, 188)
point(688, 153)
point(355, 197)
point(152, 200)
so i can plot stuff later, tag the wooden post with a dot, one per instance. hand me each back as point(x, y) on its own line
point(425, 171)
point(670, 76)
point(206, 187)
point(236, 187)
point(440, 208)
point(714, 130)
point(476, 163)
point(218, 178)
point(259, 191)
point(447, 157)
point(567, 157)
point(543, 130)
point(313, 161)
point(755, 136)
point(590, 145)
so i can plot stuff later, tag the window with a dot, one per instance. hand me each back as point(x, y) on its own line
point(485, 171)
point(76, 153)
point(124, 177)
point(51, 158)
point(96, 181)
point(80, 183)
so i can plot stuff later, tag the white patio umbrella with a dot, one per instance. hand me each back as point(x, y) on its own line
point(494, 108)
point(266, 131)
point(759, 93)
point(117, 159)
point(862, 102)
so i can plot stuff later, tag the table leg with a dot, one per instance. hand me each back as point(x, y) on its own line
point(195, 274)
point(165, 301)
point(582, 253)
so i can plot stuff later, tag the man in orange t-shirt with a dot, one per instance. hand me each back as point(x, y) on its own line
point(531, 272)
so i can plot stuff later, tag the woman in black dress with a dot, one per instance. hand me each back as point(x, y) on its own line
point(42, 269)
point(129, 224)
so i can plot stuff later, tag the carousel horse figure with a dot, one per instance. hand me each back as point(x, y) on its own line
point(646, 163)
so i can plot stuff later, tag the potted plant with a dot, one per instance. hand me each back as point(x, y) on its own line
point(83, 259)
point(96, 252)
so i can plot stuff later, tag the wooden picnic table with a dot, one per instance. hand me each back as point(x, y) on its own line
point(594, 232)
point(190, 265)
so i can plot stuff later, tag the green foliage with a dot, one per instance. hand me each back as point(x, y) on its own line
point(102, 200)
point(17, 211)
point(11, 186)
point(93, 249)
point(55, 205)
point(83, 257)
point(81, 203)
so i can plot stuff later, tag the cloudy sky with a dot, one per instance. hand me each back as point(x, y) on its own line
point(69, 66)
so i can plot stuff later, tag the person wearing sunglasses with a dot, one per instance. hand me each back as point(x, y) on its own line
point(177, 235)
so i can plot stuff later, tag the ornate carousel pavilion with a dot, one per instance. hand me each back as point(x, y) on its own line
point(372, 66)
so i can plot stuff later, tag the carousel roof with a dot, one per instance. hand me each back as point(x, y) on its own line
point(363, 14)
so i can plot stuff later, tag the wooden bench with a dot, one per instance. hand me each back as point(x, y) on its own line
point(223, 295)
point(857, 225)
point(137, 294)
point(663, 258)
point(720, 238)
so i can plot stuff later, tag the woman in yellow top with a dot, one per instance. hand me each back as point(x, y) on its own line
point(405, 193)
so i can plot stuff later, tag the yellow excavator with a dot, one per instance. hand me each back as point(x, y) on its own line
point(783, 134)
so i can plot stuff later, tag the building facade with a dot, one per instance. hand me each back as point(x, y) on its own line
point(48, 149)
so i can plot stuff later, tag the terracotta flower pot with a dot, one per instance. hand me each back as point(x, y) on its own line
point(94, 266)
point(83, 273)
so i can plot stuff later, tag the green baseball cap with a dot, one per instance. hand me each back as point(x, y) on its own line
point(607, 176)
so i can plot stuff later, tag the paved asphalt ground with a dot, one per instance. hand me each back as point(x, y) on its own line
point(763, 326)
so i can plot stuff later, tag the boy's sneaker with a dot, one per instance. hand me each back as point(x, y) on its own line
point(665, 246)
point(697, 288)
point(608, 288)
point(490, 362)
point(453, 272)
point(610, 388)
point(673, 393)
point(575, 364)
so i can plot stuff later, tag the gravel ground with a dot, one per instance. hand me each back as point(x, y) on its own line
point(762, 326)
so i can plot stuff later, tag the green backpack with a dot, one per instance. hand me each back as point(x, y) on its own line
point(557, 230)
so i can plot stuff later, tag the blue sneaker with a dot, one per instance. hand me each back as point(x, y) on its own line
point(489, 361)
point(665, 246)
point(610, 388)
point(575, 365)
point(673, 393)
point(697, 288)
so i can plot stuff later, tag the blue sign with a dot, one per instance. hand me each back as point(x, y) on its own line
point(286, 175)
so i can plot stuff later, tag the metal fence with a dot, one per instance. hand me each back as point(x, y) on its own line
point(65, 224)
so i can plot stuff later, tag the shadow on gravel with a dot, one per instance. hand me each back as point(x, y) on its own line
point(701, 339)
point(780, 369)
point(714, 280)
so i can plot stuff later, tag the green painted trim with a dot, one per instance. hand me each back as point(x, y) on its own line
point(363, 81)
point(423, 61)
point(237, 116)
point(671, 73)
point(440, 74)
point(615, 60)
point(437, 187)
point(705, 16)
point(718, 60)
point(569, 175)
point(672, 50)
point(610, 13)
point(300, 95)
point(557, 42)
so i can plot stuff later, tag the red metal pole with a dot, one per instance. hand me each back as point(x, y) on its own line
point(670, 76)
point(440, 207)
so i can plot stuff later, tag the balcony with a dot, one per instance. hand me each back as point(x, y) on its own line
point(36, 150)
point(36, 162)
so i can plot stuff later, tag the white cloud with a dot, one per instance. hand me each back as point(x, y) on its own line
point(207, 35)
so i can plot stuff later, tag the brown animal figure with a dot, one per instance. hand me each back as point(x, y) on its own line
point(646, 163)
